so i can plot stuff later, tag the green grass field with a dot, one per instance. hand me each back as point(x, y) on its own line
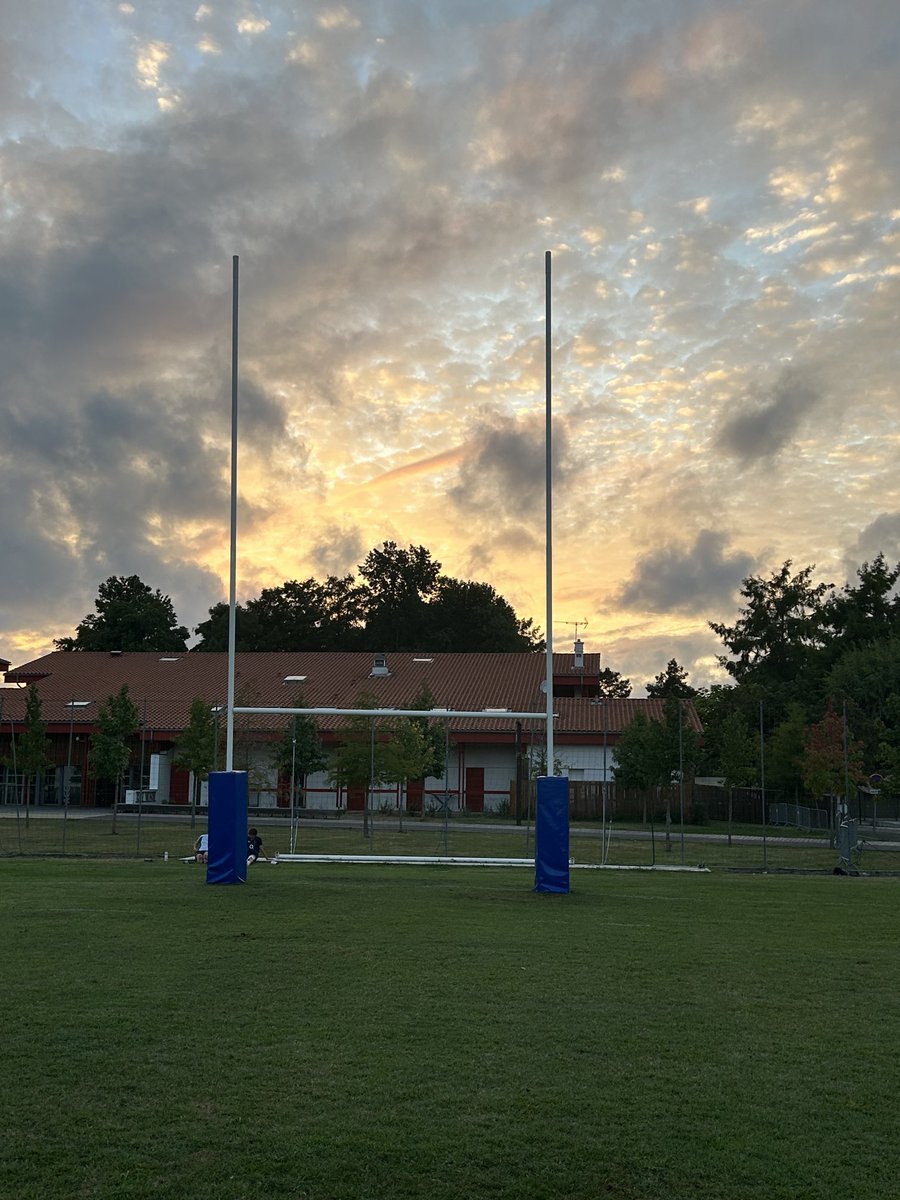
point(330, 1032)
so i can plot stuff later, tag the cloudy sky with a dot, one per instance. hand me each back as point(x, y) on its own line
point(718, 186)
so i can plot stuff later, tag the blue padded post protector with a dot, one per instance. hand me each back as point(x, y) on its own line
point(227, 861)
point(551, 835)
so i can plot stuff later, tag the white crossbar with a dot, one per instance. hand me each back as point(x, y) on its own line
point(432, 713)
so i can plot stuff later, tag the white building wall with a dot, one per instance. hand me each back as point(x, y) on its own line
point(586, 762)
point(499, 764)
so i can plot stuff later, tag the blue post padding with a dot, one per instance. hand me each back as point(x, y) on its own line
point(227, 861)
point(551, 835)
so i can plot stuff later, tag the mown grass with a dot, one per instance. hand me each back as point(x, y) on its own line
point(340, 1032)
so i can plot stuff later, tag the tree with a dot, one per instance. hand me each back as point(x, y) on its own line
point(299, 752)
point(213, 632)
point(129, 617)
point(654, 753)
point(432, 733)
point(866, 612)
point(409, 751)
point(830, 759)
point(867, 678)
point(299, 615)
point(118, 721)
point(671, 682)
point(780, 628)
point(473, 618)
point(399, 584)
point(34, 757)
point(784, 752)
point(402, 602)
point(613, 685)
point(636, 753)
point(197, 748)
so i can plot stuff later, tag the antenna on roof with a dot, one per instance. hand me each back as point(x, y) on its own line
point(578, 625)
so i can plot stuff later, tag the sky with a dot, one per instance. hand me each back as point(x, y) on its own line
point(717, 184)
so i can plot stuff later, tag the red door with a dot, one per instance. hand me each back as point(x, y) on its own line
point(356, 799)
point(475, 789)
point(414, 790)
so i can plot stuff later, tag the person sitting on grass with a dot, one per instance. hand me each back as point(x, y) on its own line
point(254, 846)
point(201, 848)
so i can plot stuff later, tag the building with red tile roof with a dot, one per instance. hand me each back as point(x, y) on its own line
point(483, 750)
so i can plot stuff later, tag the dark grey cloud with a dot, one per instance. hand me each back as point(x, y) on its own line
point(689, 579)
point(767, 427)
point(882, 536)
point(504, 472)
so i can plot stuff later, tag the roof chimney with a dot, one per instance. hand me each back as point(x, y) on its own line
point(579, 654)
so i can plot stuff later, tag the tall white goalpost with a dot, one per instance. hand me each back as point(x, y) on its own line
point(230, 787)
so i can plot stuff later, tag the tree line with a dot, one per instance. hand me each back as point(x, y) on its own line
point(398, 601)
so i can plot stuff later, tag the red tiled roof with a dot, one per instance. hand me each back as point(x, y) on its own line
point(164, 687)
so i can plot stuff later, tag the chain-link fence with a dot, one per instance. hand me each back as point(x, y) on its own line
point(660, 840)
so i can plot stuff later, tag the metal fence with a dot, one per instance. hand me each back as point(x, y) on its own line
point(799, 816)
point(662, 841)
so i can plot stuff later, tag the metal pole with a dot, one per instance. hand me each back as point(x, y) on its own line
point(681, 771)
point(548, 496)
point(12, 738)
point(762, 782)
point(232, 580)
point(141, 779)
point(446, 781)
point(603, 785)
point(846, 768)
point(293, 771)
point(367, 820)
point(68, 782)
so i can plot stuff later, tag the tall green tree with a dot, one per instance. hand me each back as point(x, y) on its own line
point(637, 753)
point(472, 618)
point(298, 615)
point(867, 611)
point(433, 734)
point(867, 677)
point(830, 758)
point(651, 754)
point(130, 616)
point(613, 685)
point(118, 720)
point(784, 752)
point(780, 628)
point(213, 632)
point(197, 748)
point(673, 681)
point(399, 583)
